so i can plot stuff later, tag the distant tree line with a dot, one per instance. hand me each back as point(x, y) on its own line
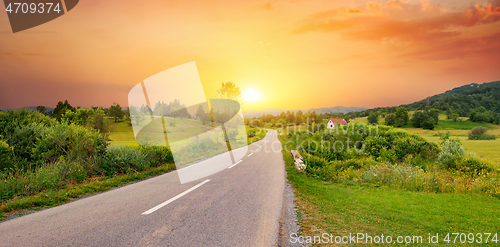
point(478, 102)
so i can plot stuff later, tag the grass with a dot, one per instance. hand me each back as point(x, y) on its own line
point(464, 125)
point(49, 199)
point(122, 134)
point(487, 149)
point(339, 210)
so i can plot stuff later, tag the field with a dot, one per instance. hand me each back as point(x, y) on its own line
point(339, 210)
point(489, 150)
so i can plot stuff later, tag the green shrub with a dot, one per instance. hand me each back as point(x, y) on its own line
point(482, 137)
point(23, 141)
point(49, 177)
point(472, 164)
point(451, 152)
point(477, 131)
point(72, 141)
point(387, 155)
point(18, 119)
point(159, 155)
point(375, 144)
point(354, 164)
point(428, 125)
point(127, 158)
point(312, 161)
point(251, 132)
point(6, 156)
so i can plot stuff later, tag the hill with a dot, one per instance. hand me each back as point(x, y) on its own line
point(31, 108)
point(464, 100)
point(483, 99)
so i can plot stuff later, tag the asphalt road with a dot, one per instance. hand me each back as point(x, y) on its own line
point(239, 206)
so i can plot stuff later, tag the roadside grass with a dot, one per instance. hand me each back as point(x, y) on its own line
point(294, 128)
point(339, 210)
point(260, 133)
point(47, 199)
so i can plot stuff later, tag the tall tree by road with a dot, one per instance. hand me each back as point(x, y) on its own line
point(116, 111)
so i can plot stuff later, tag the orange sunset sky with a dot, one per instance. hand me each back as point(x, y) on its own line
point(295, 54)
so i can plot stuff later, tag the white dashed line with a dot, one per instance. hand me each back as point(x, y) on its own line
point(249, 155)
point(234, 164)
point(175, 198)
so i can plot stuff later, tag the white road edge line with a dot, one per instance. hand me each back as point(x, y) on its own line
point(234, 164)
point(175, 198)
point(249, 155)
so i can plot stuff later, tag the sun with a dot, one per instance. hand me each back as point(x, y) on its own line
point(251, 95)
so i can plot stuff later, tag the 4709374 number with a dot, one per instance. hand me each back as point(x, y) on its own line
point(32, 8)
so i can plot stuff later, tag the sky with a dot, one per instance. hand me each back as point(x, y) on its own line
point(285, 54)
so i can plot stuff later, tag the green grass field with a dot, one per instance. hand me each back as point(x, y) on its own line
point(487, 149)
point(339, 210)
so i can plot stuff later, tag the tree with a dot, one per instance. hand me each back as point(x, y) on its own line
point(389, 119)
point(401, 117)
point(135, 115)
point(41, 109)
point(434, 114)
point(373, 118)
point(61, 108)
point(202, 116)
point(418, 118)
point(116, 111)
point(145, 109)
point(229, 90)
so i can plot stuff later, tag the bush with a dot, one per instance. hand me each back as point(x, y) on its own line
point(477, 131)
point(451, 152)
point(127, 158)
point(6, 156)
point(251, 132)
point(428, 125)
point(482, 137)
point(312, 161)
point(74, 142)
point(472, 164)
point(159, 155)
point(17, 119)
point(353, 164)
point(375, 144)
point(20, 129)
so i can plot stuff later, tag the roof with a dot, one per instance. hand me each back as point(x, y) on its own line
point(338, 120)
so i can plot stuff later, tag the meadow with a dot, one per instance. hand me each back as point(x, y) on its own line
point(408, 182)
point(487, 149)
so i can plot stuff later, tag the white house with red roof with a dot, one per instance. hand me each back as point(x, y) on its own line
point(333, 121)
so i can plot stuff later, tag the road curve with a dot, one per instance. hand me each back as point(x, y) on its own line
point(239, 206)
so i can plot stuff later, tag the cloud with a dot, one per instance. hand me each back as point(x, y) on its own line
point(432, 35)
point(488, 45)
point(378, 27)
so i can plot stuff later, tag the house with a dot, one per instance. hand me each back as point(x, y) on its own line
point(333, 121)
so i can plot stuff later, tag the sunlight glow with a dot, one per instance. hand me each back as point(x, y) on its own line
point(251, 95)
